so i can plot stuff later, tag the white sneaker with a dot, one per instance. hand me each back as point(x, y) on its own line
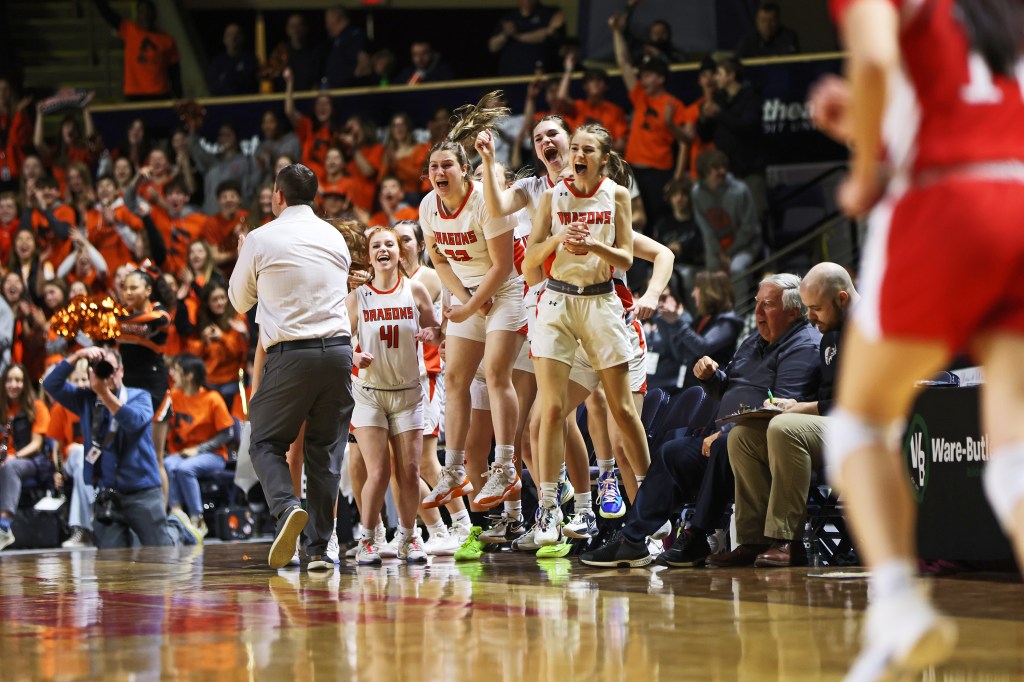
point(389, 550)
point(902, 634)
point(411, 550)
point(461, 531)
point(549, 526)
point(367, 554)
point(80, 538)
point(6, 538)
point(526, 542)
point(502, 481)
point(333, 551)
point(662, 532)
point(504, 529)
point(295, 560)
point(453, 482)
point(582, 525)
point(442, 543)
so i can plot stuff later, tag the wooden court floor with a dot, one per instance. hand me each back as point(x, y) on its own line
point(221, 614)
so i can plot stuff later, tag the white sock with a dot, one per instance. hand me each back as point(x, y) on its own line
point(606, 466)
point(504, 454)
point(582, 502)
point(514, 509)
point(549, 494)
point(562, 476)
point(892, 577)
point(455, 458)
point(461, 518)
point(438, 529)
point(403, 535)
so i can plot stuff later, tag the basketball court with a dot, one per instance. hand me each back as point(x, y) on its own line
point(220, 614)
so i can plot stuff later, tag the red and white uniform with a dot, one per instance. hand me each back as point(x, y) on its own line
point(566, 320)
point(388, 393)
point(462, 237)
point(433, 382)
point(943, 259)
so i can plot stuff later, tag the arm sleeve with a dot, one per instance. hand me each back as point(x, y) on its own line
point(57, 386)
point(242, 288)
point(136, 414)
point(716, 385)
point(59, 227)
point(223, 437)
point(719, 336)
point(157, 248)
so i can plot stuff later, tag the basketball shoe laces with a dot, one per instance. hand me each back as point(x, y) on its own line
point(609, 490)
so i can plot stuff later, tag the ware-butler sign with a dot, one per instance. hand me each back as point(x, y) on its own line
point(945, 453)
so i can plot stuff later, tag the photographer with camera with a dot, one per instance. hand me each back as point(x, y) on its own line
point(120, 458)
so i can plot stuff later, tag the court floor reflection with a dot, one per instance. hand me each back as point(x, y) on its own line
point(221, 614)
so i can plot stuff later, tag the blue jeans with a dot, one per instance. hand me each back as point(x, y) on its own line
point(82, 494)
point(183, 474)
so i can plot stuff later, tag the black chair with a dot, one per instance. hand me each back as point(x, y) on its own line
point(654, 406)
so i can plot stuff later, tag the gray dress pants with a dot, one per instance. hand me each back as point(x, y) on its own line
point(312, 385)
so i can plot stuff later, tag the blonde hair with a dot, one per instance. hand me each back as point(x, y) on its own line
point(617, 169)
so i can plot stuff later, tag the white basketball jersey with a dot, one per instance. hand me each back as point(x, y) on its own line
point(387, 327)
point(462, 235)
point(531, 188)
point(597, 211)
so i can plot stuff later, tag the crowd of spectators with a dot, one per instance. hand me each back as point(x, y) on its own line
point(78, 213)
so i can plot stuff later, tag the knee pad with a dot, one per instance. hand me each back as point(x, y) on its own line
point(1004, 482)
point(848, 433)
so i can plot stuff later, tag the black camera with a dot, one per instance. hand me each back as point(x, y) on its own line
point(102, 369)
point(107, 507)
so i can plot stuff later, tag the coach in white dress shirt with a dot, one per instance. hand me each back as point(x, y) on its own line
point(296, 267)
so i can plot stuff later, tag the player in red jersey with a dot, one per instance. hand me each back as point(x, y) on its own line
point(934, 83)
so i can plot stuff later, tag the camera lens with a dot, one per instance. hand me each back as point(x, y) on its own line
point(102, 369)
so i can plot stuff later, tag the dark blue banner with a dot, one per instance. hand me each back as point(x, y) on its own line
point(788, 134)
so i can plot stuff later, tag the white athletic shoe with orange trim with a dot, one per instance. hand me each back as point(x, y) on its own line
point(502, 481)
point(452, 483)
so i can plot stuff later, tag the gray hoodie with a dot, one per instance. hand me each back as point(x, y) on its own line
point(728, 213)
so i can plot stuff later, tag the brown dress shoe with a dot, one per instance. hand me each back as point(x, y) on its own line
point(782, 554)
point(743, 555)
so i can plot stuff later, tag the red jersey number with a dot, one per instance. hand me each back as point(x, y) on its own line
point(389, 335)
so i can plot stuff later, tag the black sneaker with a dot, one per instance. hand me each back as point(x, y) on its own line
point(319, 562)
point(289, 527)
point(619, 551)
point(689, 549)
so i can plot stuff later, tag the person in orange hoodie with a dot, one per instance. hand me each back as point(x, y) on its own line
point(393, 208)
point(221, 229)
point(112, 228)
point(201, 429)
point(51, 220)
point(179, 225)
point(222, 341)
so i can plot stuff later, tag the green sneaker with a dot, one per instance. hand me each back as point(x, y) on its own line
point(472, 549)
point(554, 551)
